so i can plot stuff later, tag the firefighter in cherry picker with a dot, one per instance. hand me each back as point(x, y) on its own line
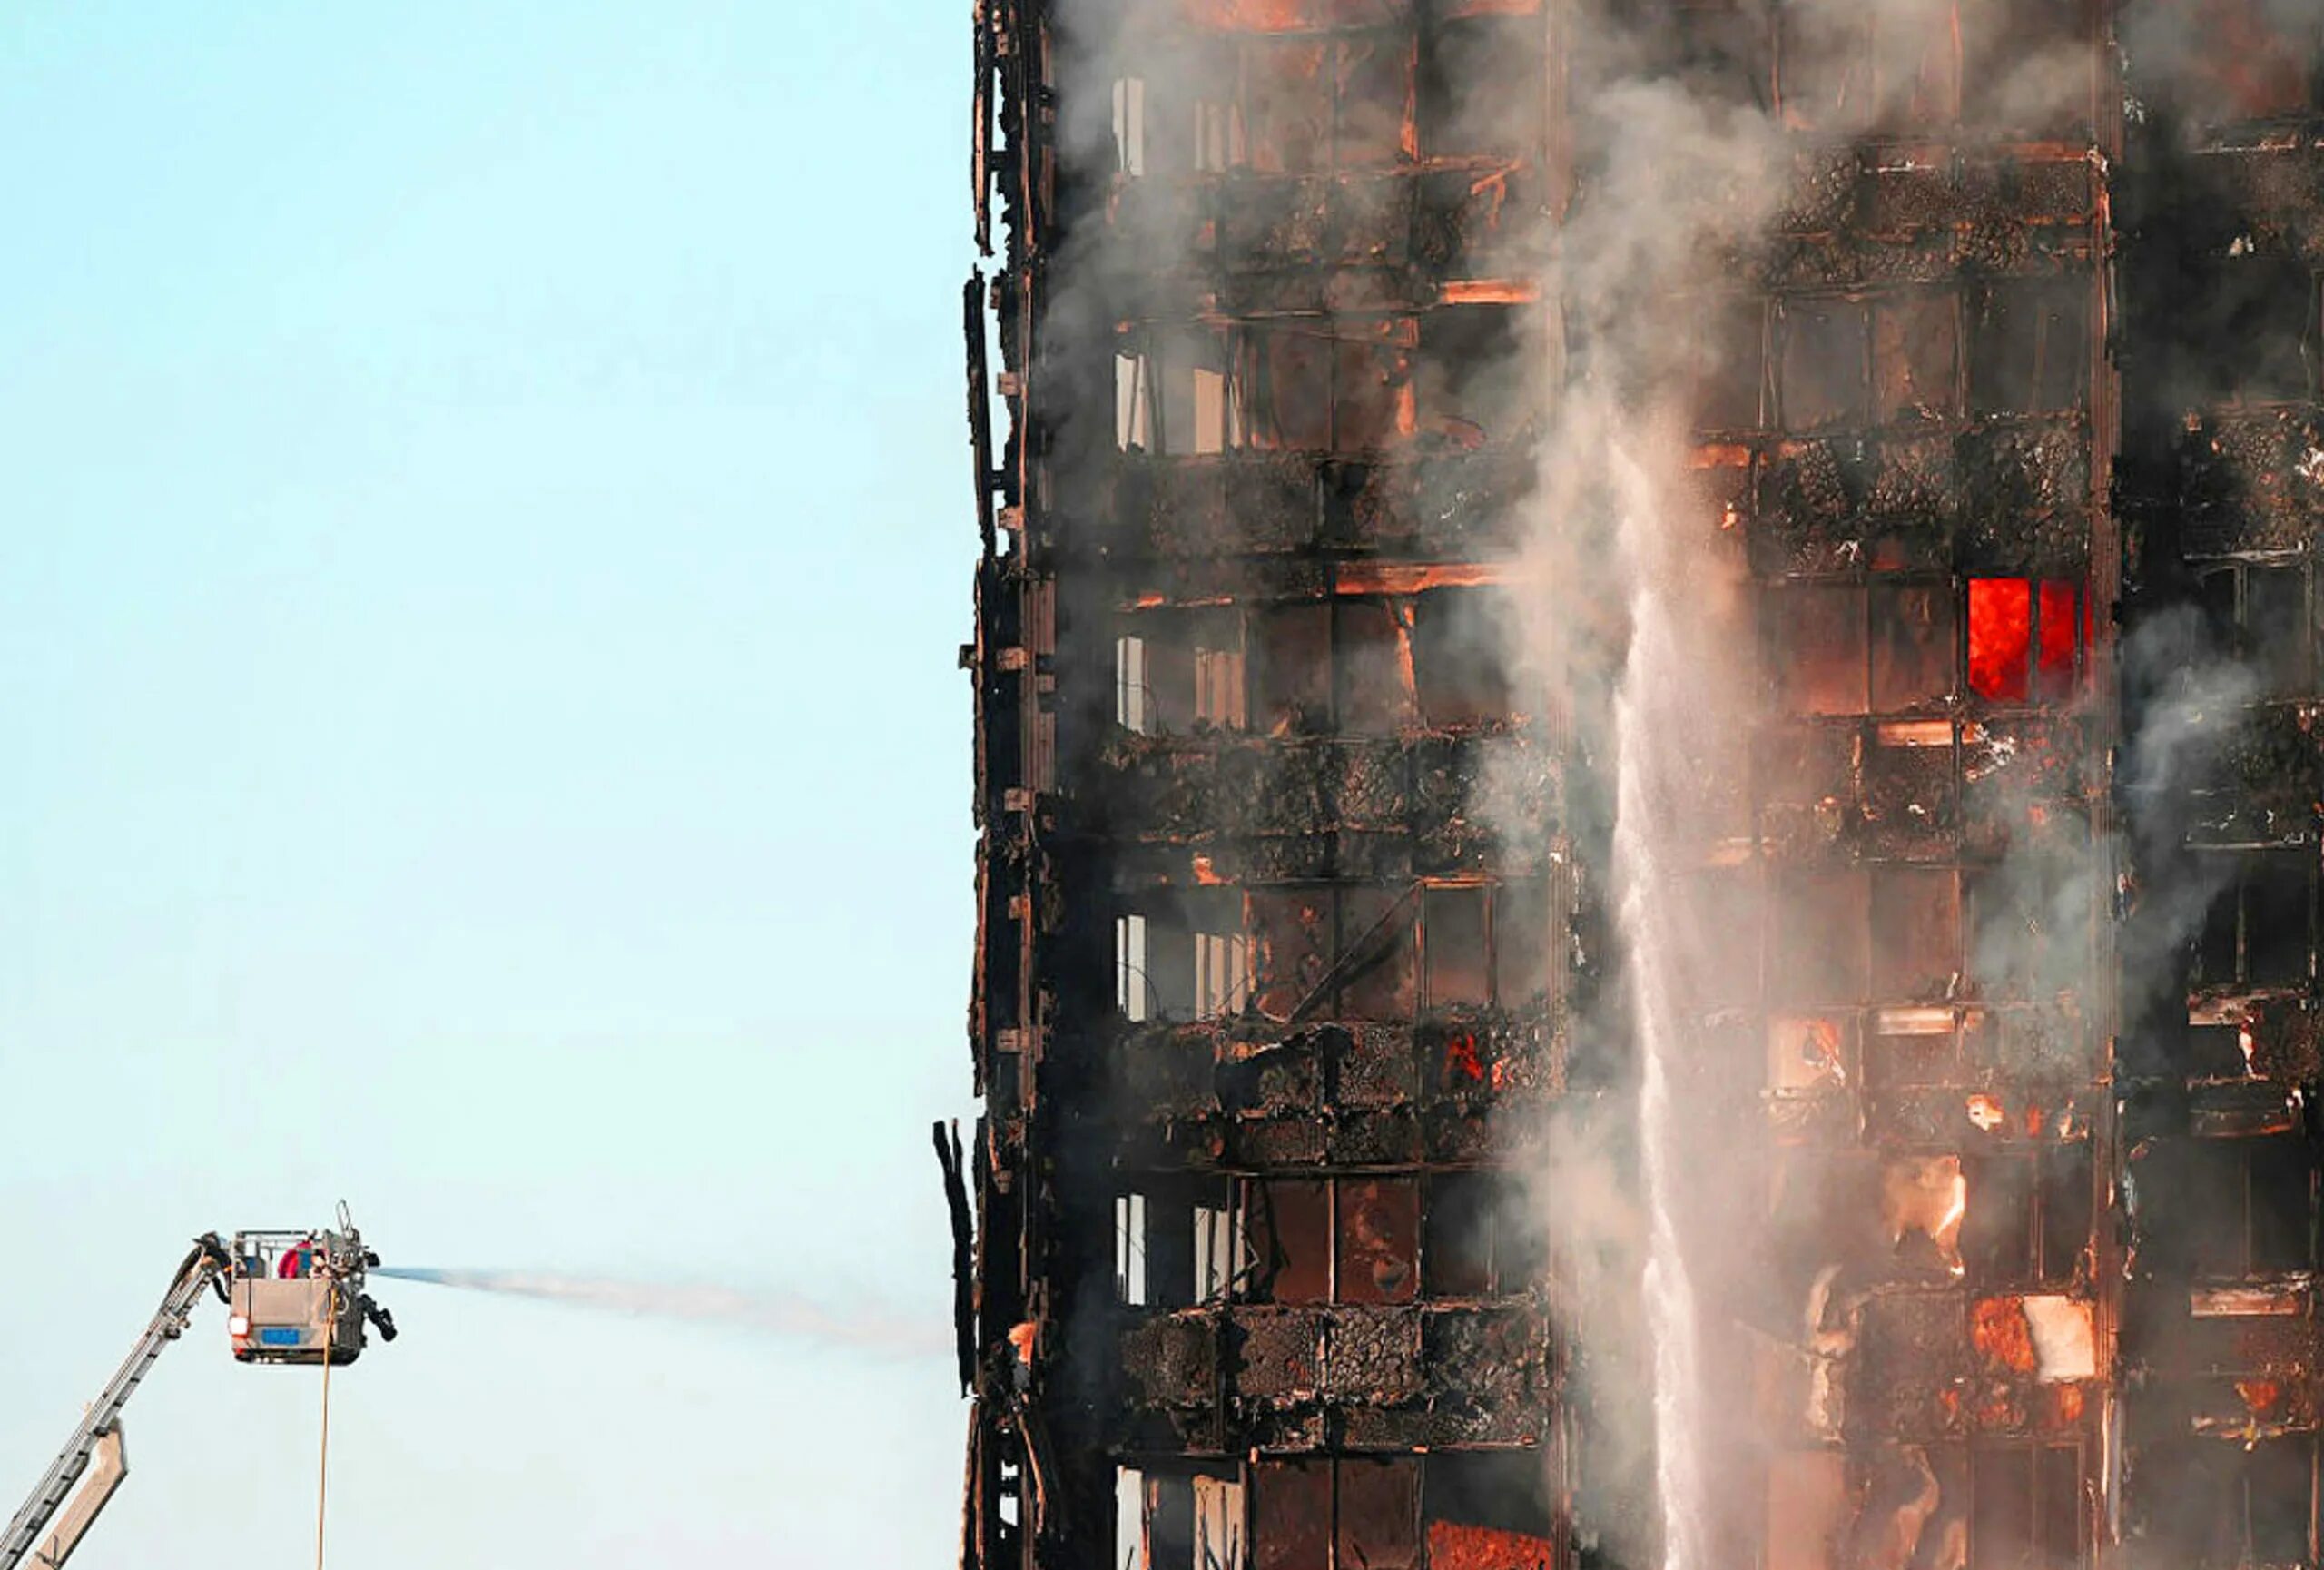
point(297, 1260)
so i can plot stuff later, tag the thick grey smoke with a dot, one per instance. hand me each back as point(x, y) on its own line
point(1634, 609)
point(1683, 178)
point(872, 1330)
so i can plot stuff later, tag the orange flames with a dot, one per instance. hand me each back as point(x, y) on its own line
point(1999, 1331)
point(1453, 1547)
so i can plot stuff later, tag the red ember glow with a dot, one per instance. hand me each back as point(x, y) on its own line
point(2001, 637)
point(2060, 614)
point(2009, 646)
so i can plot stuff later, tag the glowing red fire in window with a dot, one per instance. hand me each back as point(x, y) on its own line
point(2022, 636)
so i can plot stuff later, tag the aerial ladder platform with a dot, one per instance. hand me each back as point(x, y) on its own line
point(292, 1297)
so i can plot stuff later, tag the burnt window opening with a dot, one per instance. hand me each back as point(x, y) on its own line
point(1479, 1238)
point(2259, 929)
point(2217, 1052)
point(1998, 43)
point(1721, 52)
point(1178, 1241)
point(1820, 931)
point(2025, 639)
point(1915, 933)
point(1367, 1238)
point(1521, 939)
point(1922, 1202)
point(1291, 1515)
point(1916, 61)
point(1913, 633)
point(1823, 67)
point(1482, 945)
point(1457, 948)
point(1482, 82)
point(1178, 392)
point(1916, 357)
point(1490, 1508)
point(1378, 954)
point(1185, 956)
point(1286, 105)
point(1347, 389)
point(1372, 99)
point(1912, 1048)
point(1287, 1222)
point(2029, 1217)
point(2029, 347)
point(1460, 639)
point(1886, 933)
point(1842, 70)
point(1474, 373)
point(1176, 1516)
point(1374, 667)
point(1295, 937)
point(1822, 365)
point(1819, 646)
point(1808, 1508)
point(1727, 362)
point(2232, 1503)
point(1809, 1055)
point(1332, 1240)
point(2256, 321)
point(2261, 611)
point(1886, 647)
point(2232, 60)
point(2030, 920)
point(1309, 105)
point(1181, 672)
point(1357, 951)
point(1376, 1252)
point(1352, 1513)
point(2248, 1206)
point(2026, 1507)
point(1291, 656)
point(1164, 132)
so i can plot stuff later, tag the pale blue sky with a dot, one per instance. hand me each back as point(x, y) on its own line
point(484, 531)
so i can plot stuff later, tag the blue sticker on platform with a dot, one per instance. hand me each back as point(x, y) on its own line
point(274, 1337)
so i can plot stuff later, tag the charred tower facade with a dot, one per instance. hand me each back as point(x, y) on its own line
point(1312, 1221)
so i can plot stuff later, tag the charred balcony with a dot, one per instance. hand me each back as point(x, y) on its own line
point(1467, 1085)
point(1364, 1310)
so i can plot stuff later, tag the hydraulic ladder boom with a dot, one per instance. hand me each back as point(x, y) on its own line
point(203, 1268)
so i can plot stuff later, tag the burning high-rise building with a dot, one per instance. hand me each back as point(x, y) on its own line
point(1647, 782)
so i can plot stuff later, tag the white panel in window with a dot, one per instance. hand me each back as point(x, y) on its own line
point(1130, 124)
point(1218, 1250)
point(1129, 1248)
point(1219, 687)
point(1133, 993)
point(1221, 973)
point(1219, 1523)
point(1133, 415)
point(1129, 1519)
point(1131, 710)
point(1214, 143)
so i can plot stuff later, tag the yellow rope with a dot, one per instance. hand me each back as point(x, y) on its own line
point(322, 1462)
